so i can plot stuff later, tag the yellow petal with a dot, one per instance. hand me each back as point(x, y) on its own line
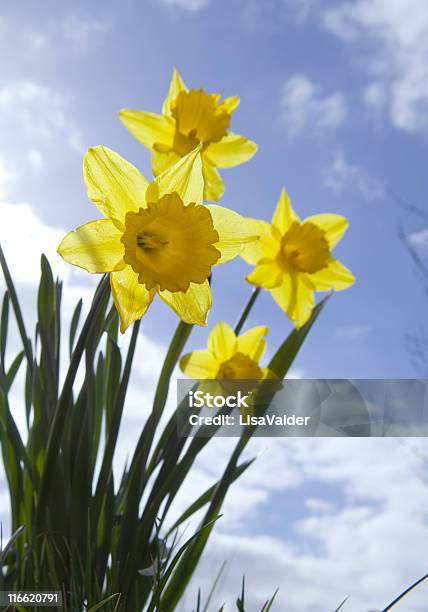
point(95, 246)
point(130, 297)
point(175, 87)
point(149, 128)
point(230, 104)
point(233, 231)
point(162, 160)
point(266, 274)
point(253, 252)
point(295, 298)
point(114, 184)
point(284, 214)
point(214, 187)
point(199, 365)
point(334, 226)
point(252, 342)
point(184, 178)
point(230, 151)
point(222, 342)
point(192, 306)
point(335, 276)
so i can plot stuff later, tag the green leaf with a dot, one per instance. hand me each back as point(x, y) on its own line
point(268, 605)
point(4, 324)
point(176, 559)
point(58, 422)
point(206, 497)
point(16, 308)
point(404, 593)
point(104, 602)
point(286, 354)
point(74, 324)
point(13, 371)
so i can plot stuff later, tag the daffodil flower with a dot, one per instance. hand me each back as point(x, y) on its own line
point(228, 357)
point(191, 117)
point(293, 258)
point(155, 238)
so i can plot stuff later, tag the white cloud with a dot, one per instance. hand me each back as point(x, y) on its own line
point(375, 96)
point(37, 116)
point(341, 174)
point(6, 176)
point(35, 159)
point(80, 34)
point(419, 238)
point(36, 39)
point(392, 40)
point(352, 332)
point(24, 237)
point(304, 106)
point(377, 513)
point(192, 6)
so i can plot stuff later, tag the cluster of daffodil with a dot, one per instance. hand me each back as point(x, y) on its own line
point(160, 238)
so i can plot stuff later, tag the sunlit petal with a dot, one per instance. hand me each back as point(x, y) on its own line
point(175, 87)
point(267, 274)
point(222, 342)
point(233, 230)
point(253, 252)
point(230, 151)
point(335, 276)
point(149, 128)
point(95, 246)
point(114, 184)
point(334, 226)
point(130, 297)
point(192, 306)
point(252, 342)
point(184, 178)
point(295, 298)
point(199, 364)
point(284, 214)
point(214, 187)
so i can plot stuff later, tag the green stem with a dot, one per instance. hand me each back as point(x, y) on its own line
point(246, 311)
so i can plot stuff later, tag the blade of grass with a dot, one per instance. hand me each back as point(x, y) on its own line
point(74, 324)
point(203, 499)
point(268, 605)
point(214, 586)
point(105, 601)
point(56, 430)
point(16, 308)
point(404, 593)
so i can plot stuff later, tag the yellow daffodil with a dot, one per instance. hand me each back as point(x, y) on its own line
point(155, 238)
point(293, 258)
point(228, 357)
point(191, 117)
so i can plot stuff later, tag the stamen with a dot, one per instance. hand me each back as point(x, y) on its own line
point(146, 241)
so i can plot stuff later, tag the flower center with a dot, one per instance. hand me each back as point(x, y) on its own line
point(170, 245)
point(200, 118)
point(305, 248)
point(239, 367)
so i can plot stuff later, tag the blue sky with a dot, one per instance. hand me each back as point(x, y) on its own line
point(304, 91)
point(336, 96)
